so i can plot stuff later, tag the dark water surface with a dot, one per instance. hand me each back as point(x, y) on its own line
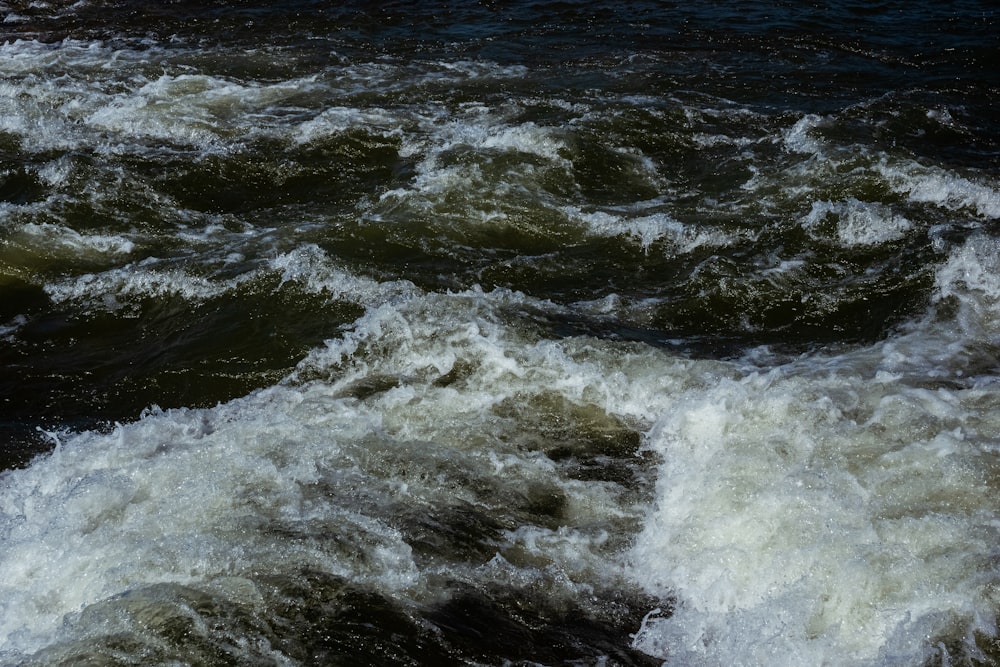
point(491, 333)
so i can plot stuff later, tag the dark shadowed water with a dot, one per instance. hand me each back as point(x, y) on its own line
point(499, 333)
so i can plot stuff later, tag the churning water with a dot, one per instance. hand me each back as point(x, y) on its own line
point(535, 333)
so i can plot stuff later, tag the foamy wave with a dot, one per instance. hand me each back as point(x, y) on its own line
point(478, 137)
point(859, 223)
point(108, 100)
point(338, 119)
point(798, 137)
point(195, 109)
point(426, 335)
point(971, 277)
point(313, 476)
point(60, 239)
point(307, 266)
point(802, 521)
point(649, 229)
point(481, 130)
point(28, 56)
point(115, 287)
point(937, 186)
point(312, 268)
point(172, 499)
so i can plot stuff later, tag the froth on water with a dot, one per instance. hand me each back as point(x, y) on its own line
point(446, 455)
point(467, 354)
point(453, 469)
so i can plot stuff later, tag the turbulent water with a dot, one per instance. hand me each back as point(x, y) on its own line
point(485, 334)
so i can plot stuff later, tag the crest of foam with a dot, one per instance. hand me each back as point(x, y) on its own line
point(68, 240)
point(797, 138)
point(311, 267)
point(133, 281)
point(307, 266)
point(338, 119)
point(27, 56)
point(940, 187)
point(836, 511)
point(481, 130)
point(859, 223)
point(483, 135)
point(158, 501)
point(648, 229)
point(971, 277)
point(194, 109)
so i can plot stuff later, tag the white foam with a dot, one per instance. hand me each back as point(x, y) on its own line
point(482, 131)
point(26, 56)
point(971, 277)
point(818, 521)
point(976, 193)
point(172, 498)
point(307, 266)
point(458, 156)
point(955, 339)
point(859, 223)
point(798, 137)
point(58, 239)
point(335, 120)
point(56, 172)
point(648, 229)
point(934, 185)
point(705, 140)
point(192, 109)
point(831, 511)
point(115, 287)
point(432, 182)
point(458, 70)
point(106, 100)
point(836, 510)
point(44, 113)
point(12, 325)
point(820, 513)
point(311, 267)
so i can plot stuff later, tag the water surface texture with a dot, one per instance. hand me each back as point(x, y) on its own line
point(560, 333)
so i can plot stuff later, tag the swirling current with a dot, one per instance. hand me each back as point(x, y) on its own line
point(559, 333)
